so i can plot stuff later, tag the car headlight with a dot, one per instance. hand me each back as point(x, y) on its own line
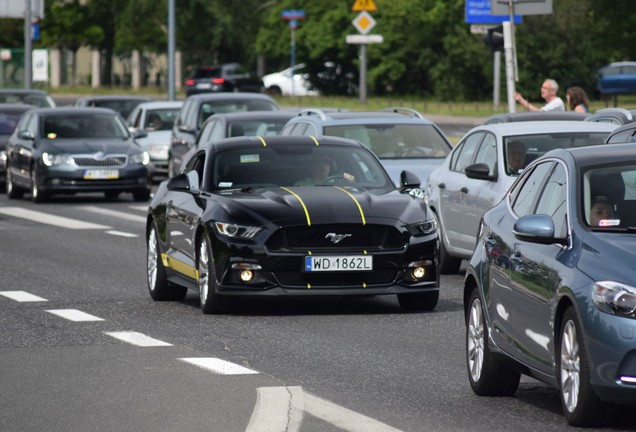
point(421, 229)
point(614, 297)
point(236, 231)
point(140, 158)
point(53, 159)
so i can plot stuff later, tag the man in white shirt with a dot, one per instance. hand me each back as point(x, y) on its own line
point(549, 94)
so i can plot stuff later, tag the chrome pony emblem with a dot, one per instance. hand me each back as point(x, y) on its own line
point(336, 238)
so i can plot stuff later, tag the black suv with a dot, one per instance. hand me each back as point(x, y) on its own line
point(231, 77)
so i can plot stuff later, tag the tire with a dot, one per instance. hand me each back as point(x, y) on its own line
point(158, 286)
point(447, 264)
point(487, 376)
point(417, 302)
point(141, 195)
point(273, 91)
point(111, 195)
point(37, 195)
point(13, 191)
point(581, 406)
point(210, 301)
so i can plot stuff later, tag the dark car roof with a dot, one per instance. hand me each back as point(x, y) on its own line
point(113, 98)
point(61, 111)
point(274, 141)
point(15, 107)
point(595, 155)
point(535, 116)
point(254, 115)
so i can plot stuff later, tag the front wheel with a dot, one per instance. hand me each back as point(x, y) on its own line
point(210, 301)
point(416, 302)
point(447, 264)
point(141, 195)
point(487, 376)
point(37, 195)
point(581, 406)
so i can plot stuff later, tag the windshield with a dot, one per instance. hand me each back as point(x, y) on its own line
point(520, 150)
point(290, 166)
point(396, 141)
point(228, 106)
point(609, 197)
point(8, 122)
point(83, 126)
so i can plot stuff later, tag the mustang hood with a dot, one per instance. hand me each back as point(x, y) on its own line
point(316, 205)
point(88, 145)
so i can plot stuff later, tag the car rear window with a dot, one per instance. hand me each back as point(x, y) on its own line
point(207, 73)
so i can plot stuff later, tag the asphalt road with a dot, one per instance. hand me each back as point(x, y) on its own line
point(94, 352)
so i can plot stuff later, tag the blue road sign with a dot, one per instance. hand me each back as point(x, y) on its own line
point(478, 12)
point(293, 14)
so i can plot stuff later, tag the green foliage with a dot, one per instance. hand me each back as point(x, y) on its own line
point(12, 34)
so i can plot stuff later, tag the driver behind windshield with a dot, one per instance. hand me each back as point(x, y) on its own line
point(321, 171)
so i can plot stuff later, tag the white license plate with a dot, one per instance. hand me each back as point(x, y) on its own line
point(101, 174)
point(339, 263)
point(204, 85)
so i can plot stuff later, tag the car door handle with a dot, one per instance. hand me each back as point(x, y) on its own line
point(441, 186)
point(464, 189)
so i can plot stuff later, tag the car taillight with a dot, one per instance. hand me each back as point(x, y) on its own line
point(218, 80)
point(189, 82)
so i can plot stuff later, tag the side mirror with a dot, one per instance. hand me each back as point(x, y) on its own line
point(180, 182)
point(409, 180)
point(186, 129)
point(479, 171)
point(140, 134)
point(538, 228)
point(26, 135)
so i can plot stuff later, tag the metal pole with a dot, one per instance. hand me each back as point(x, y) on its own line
point(293, 56)
point(363, 74)
point(496, 67)
point(510, 81)
point(511, 12)
point(28, 46)
point(171, 51)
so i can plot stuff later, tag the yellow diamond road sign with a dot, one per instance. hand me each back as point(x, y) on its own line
point(364, 22)
point(364, 5)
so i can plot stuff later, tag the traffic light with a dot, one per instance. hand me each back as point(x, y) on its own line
point(494, 39)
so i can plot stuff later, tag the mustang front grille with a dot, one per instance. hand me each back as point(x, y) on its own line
point(336, 238)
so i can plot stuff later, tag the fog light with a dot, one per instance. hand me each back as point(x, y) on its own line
point(418, 273)
point(247, 275)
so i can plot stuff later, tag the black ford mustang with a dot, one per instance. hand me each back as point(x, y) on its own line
point(289, 215)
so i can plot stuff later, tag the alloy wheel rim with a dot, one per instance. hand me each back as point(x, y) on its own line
point(475, 340)
point(152, 259)
point(570, 366)
point(203, 273)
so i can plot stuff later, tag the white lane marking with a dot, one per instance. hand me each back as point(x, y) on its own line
point(139, 208)
point(121, 234)
point(22, 296)
point(218, 366)
point(74, 315)
point(49, 219)
point(114, 213)
point(278, 408)
point(138, 339)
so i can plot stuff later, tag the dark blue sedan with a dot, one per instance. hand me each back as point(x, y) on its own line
point(550, 291)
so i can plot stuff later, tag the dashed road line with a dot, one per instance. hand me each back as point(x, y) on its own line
point(22, 296)
point(137, 339)
point(46, 218)
point(218, 366)
point(74, 315)
point(122, 234)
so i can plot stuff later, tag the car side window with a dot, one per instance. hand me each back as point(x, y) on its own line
point(487, 153)
point(194, 170)
point(183, 113)
point(553, 200)
point(527, 195)
point(464, 155)
point(204, 135)
point(623, 137)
